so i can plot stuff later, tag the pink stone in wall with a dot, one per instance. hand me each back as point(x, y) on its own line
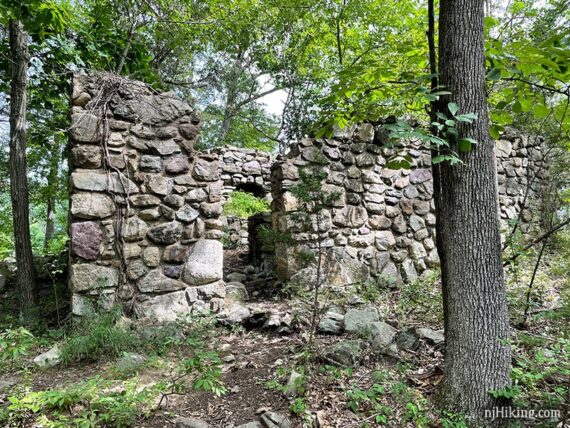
point(177, 165)
point(86, 240)
point(420, 175)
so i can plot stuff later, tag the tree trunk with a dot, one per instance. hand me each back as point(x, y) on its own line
point(51, 196)
point(18, 172)
point(50, 222)
point(477, 359)
point(228, 117)
point(231, 109)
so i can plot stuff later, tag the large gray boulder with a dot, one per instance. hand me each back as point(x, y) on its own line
point(347, 353)
point(90, 206)
point(190, 423)
point(205, 263)
point(162, 307)
point(431, 336)
point(332, 322)
point(381, 335)
point(49, 358)
point(88, 276)
point(274, 420)
point(236, 314)
point(359, 320)
point(408, 340)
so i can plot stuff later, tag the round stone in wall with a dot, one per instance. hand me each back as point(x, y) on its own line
point(91, 205)
point(205, 262)
point(166, 233)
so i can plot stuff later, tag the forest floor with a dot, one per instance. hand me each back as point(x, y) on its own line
point(229, 376)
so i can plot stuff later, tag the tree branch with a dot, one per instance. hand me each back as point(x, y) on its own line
point(536, 241)
point(256, 97)
point(552, 89)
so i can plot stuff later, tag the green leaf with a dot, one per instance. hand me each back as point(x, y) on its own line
point(438, 159)
point(466, 144)
point(517, 107)
point(540, 111)
point(494, 74)
point(467, 117)
point(495, 132)
point(400, 162)
point(453, 131)
point(453, 108)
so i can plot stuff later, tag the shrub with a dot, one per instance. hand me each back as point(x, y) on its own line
point(99, 336)
point(14, 343)
point(244, 205)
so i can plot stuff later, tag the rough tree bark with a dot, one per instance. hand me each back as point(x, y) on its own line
point(477, 359)
point(18, 171)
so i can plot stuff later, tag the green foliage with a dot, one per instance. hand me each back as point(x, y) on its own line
point(96, 402)
point(423, 297)
point(99, 336)
point(368, 291)
point(529, 67)
point(539, 372)
point(448, 137)
point(293, 382)
point(299, 406)
point(244, 205)
point(205, 366)
point(365, 401)
point(14, 343)
point(452, 420)
point(200, 364)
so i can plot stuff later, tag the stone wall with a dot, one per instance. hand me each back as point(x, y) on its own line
point(381, 225)
point(144, 215)
point(244, 169)
point(146, 223)
point(236, 230)
point(247, 170)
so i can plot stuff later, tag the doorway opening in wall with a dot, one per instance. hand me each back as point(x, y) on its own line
point(246, 201)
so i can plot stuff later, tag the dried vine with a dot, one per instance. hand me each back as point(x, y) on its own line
point(110, 85)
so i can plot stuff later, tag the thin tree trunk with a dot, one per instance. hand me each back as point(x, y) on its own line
point(230, 109)
point(531, 283)
point(477, 359)
point(18, 171)
point(51, 189)
point(50, 222)
point(126, 49)
point(228, 117)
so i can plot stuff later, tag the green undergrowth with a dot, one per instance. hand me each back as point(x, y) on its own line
point(91, 403)
point(244, 205)
point(99, 336)
point(138, 370)
point(381, 397)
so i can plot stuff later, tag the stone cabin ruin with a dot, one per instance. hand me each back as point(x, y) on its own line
point(146, 223)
